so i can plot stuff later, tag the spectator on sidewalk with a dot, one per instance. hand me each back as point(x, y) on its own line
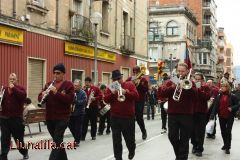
point(27, 107)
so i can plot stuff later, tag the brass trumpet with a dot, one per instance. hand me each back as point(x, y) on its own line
point(144, 71)
point(182, 84)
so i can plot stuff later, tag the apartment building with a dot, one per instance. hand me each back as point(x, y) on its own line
point(222, 46)
point(37, 34)
point(205, 47)
point(171, 29)
point(228, 63)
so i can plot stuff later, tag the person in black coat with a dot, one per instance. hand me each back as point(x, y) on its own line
point(225, 105)
point(151, 98)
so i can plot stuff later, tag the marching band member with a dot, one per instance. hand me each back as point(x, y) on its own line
point(78, 111)
point(122, 114)
point(180, 114)
point(12, 117)
point(104, 117)
point(214, 93)
point(225, 105)
point(200, 114)
point(94, 96)
point(60, 95)
point(142, 88)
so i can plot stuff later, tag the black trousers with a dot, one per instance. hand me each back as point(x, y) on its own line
point(163, 116)
point(75, 126)
point(102, 122)
point(180, 127)
point(125, 127)
point(150, 109)
point(91, 115)
point(14, 127)
point(226, 130)
point(139, 107)
point(56, 128)
point(198, 131)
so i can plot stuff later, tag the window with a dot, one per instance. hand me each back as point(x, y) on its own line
point(155, 32)
point(126, 73)
point(172, 28)
point(38, 2)
point(77, 74)
point(105, 15)
point(202, 58)
point(106, 78)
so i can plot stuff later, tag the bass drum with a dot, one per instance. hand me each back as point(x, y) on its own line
point(165, 106)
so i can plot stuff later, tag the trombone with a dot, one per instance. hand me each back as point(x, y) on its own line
point(182, 84)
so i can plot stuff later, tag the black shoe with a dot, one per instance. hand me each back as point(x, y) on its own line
point(108, 132)
point(194, 150)
point(93, 138)
point(144, 136)
point(199, 154)
point(131, 155)
point(223, 148)
point(227, 151)
point(26, 156)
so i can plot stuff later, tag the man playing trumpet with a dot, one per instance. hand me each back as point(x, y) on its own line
point(141, 84)
point(12, 117)
point(94, 96)
point(180, 112)
point(122, 114)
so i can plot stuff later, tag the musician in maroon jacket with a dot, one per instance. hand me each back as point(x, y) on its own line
point(200, 114)
point(91, 108)
point(122, 114)
point(180, 114)
point(12, 117)
point(214, 92)
point(141, 84)
point(58, 106)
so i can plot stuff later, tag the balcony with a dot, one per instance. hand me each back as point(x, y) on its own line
point(81, 28)
point(127, 45)
point(206, 43)
point(204, 67)
point(209, 7)
point(155, 38)
point(221, 44)
point(220, 68)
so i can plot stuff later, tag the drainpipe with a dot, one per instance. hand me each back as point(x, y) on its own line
point(0, 7)
point(134, 26)
point(116, 20)
point(57, 12)
point(14, 9)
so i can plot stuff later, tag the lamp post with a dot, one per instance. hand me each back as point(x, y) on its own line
point(95, 18)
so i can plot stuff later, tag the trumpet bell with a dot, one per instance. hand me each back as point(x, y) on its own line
point(186, 84)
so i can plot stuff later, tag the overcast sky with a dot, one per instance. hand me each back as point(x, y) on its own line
point(228, 12)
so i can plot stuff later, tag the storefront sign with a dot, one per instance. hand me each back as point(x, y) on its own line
point(11, 36)
point(88, 52)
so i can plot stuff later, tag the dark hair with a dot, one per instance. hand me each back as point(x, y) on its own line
point(28, 101)
point(88, 79)
point(103, 86)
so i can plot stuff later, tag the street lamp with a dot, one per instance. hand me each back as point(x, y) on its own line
point(95, 18)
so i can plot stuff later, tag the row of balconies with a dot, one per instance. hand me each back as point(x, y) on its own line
point(82, 30)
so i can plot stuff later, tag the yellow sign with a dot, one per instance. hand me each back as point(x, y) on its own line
point(88, 52)
point(11, 36)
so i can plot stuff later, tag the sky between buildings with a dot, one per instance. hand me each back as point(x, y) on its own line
point(227, 17)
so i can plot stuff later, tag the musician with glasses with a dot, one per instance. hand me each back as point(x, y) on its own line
point(180, 112)
point(94, 96)
point(12, 117)
point(200, 114)
point(122, 96)
point(141, 84)
point(59, 97)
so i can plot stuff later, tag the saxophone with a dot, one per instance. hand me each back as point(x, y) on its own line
point(90, 99)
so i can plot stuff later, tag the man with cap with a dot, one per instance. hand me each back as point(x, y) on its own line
point(60, 95)
point(94, 96)
point(12, 117)
point(122, 114)
point(141, 84)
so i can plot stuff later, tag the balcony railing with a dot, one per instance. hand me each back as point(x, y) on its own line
point(81, 28)
point(127, 44)
point(205, 44)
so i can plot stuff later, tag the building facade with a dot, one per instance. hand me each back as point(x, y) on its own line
point(222, 46)
point(37, 34)
point(171, 30)
point(205, 47)
point(228, 63)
